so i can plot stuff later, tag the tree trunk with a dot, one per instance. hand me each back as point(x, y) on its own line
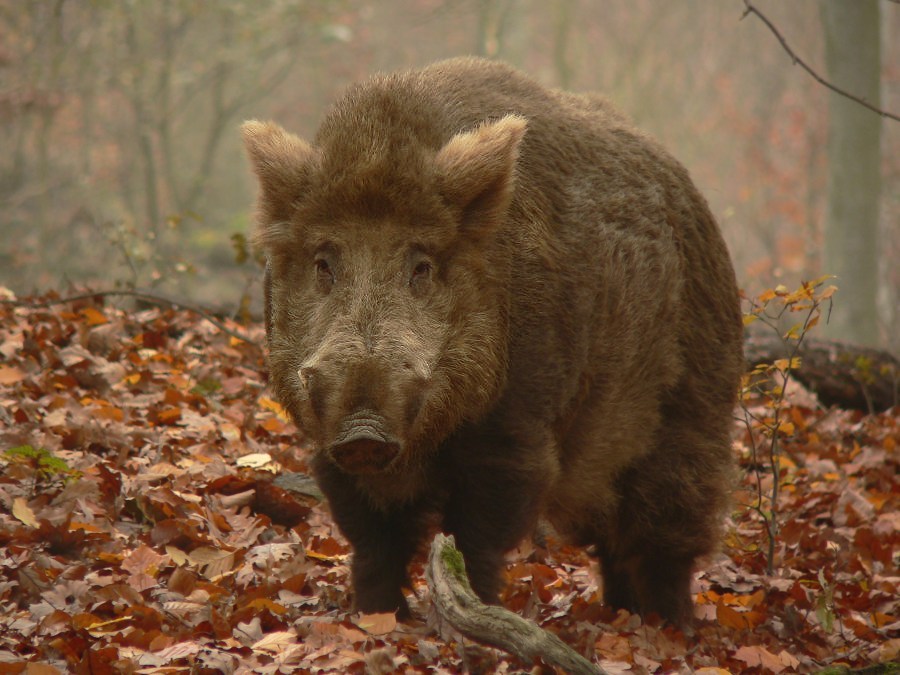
point(853, 59)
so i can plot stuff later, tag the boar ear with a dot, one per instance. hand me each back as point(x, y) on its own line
point(476, 169)
point(284, 164)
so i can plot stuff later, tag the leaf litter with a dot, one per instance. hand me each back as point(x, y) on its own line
point(151, 522)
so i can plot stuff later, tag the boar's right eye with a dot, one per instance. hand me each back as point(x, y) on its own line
point(324, 275)
point(420, 277)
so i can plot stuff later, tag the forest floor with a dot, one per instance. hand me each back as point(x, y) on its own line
point(141, 531)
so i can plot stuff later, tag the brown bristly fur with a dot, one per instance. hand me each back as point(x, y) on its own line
point(491, 301)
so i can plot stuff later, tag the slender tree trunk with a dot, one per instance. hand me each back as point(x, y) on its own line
point(493, 17)
point(853, 59)
point(561, 43)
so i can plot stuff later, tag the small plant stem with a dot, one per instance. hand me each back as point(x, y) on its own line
point(779, 375)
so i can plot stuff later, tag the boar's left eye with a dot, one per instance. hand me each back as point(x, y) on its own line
point(324, 275)
point(420, 276)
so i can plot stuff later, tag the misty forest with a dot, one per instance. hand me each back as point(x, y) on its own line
point(157, 508)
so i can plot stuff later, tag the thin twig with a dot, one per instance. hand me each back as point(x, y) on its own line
point(751, 9)
point(140, 295)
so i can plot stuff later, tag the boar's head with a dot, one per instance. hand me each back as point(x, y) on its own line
point(387, 281)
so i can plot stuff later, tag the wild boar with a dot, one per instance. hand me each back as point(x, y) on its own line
point(489, 301)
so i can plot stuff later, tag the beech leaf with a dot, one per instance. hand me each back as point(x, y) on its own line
point(22, 512)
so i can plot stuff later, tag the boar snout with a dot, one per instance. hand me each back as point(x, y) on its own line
point(364, 408)
point(363, 446)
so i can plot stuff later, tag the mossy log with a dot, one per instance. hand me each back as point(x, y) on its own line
point(457, 604)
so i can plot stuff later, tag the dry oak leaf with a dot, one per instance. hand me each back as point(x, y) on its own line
point(212, 562)
point(144, 559)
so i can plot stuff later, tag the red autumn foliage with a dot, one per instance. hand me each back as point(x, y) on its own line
point(141, 530)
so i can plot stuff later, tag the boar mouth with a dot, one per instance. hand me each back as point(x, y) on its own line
point(363, 447)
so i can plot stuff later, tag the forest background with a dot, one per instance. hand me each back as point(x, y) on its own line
point(121, 164)
point(154, 510)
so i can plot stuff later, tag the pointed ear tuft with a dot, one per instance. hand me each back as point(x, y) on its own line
point(284, 164)
point(476, 169)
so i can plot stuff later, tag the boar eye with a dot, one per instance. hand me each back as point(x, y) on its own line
point(420, 276)
point(324, 275)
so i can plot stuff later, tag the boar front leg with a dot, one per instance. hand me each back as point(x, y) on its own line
point(494, 504)
point(383, 541)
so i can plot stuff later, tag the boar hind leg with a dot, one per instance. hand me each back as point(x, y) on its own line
point(618, 589)
point(383, 541)
point(669, 514)
point(653, 583)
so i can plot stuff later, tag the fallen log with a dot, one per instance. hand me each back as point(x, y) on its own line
point(839, 373)
point(457, 604)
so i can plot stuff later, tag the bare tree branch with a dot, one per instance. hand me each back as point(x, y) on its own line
point(751, 9)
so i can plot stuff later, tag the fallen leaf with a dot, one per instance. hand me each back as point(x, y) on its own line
point(179, 650)
point(756, 655)
point(614, 667)
point(11, 374)
point(145, 560)
point(212, 562)
point(275, 407)
point(93, 317)
point(614, 647)
point(377, 624)
point(275, 642)
point(22, 512)
point(255, 460)
point(260, 604)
